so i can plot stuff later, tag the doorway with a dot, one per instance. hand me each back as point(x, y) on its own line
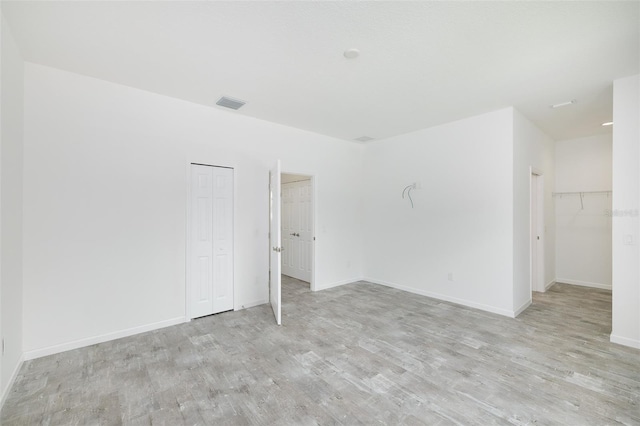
point(304, 229)
point(209, 241)
point(537, 231)
point(297, 228)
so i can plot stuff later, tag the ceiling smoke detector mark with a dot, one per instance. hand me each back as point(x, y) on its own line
point(364, 139)
point(563, 104)
point(351, 53)
point(230, 102)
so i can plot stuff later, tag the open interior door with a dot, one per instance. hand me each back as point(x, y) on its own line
point(275, 243)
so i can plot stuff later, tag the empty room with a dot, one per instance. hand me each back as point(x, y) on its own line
point(317, 212)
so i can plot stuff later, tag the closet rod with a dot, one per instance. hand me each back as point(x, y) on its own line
point(582, 192)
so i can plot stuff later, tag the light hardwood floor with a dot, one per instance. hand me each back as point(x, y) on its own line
point(355, 354)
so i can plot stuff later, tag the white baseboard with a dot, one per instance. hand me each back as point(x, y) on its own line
point(583, 283)
point(248, 305)
point(549, 285)
point(12, 379)
point(463, 302)
point(521, 309)
point(625, 341)
point(337, 284)
point(50, 350)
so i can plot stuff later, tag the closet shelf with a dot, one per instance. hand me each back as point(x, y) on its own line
point(581, 194)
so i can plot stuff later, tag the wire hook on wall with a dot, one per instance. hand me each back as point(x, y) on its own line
point(407, 190)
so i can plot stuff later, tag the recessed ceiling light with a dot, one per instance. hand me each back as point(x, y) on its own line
point(608, 123)
point(351, 53)
point(561, 104)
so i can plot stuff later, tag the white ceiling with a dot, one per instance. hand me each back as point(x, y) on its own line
point(421, 63)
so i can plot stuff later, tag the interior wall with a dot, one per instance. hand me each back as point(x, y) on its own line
point(105, 192)
point(11, 142)
point(532, 149)
point(626, 201)
point(583, 237)
point(288, 178)
point(456, 243)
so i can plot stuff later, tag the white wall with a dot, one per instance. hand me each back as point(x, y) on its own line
point(583, 230)
point(532, 148)
point(105, 197)
point(626, 197)
point(11, 140)
point(462, 220)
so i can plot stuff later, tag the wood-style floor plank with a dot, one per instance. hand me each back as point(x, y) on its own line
point(356, 354)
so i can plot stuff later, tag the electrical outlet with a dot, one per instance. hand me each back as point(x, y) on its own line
point(450, 276)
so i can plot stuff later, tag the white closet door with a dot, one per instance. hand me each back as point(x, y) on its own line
point(211, 272)
point(304, 233)
point(297, 229)
point(288, 232)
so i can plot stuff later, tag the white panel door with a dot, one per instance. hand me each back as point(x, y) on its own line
point(304, 233)
point(288, 232)
point(296, 229)
point(275, 280)
point(211, 223)
point(537, 233)
point(222, 239)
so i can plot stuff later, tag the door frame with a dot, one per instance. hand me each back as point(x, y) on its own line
point(536, 216)
point(314, 216)
point(187, 276)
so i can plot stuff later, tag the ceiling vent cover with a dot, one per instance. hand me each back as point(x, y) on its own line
point(364, 139)
point(230, 102)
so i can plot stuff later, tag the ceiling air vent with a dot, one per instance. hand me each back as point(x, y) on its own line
point(364, 139)
point(230, 102)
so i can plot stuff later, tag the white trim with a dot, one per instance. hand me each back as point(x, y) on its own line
point(633, 343)
point(522, 308)
point(337, 284)
point(487, 308)
point(50, 350)
point(187, 249)
point(14, 376)
point(583, 283)
point(550, 284)
point(248, 305)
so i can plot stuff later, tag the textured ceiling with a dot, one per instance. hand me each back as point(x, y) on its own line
point(421, 63)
